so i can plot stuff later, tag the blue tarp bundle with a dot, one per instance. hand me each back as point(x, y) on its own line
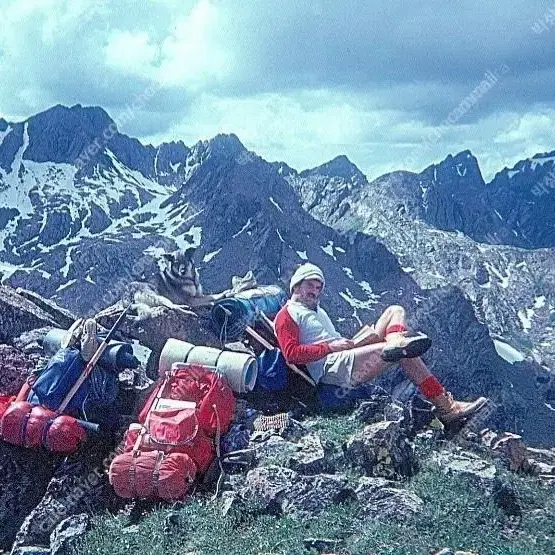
point(231, 316)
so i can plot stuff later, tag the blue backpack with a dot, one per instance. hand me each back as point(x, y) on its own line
point(94, 400)
point(273, 373)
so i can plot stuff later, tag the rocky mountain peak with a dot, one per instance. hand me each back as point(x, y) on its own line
point(461, 170)
point(3, 124)
point(227, 145)
point(340, 166)
point(61, 134)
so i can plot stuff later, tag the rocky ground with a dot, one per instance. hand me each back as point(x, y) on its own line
point(383, 478)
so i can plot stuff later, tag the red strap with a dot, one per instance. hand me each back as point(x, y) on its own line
point(133, 476)
point(156, 473)
point(395, 328)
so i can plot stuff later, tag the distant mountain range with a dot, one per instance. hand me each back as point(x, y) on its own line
point(84, 209)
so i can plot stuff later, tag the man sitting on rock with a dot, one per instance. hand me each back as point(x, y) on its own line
point(306, 335)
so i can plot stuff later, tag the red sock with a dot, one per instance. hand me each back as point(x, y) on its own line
point(395, 328)
point(431, 387)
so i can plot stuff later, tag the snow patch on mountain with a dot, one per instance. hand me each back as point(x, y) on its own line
point(328, 249)
point(15, 193)
point(209, 256)
point(276, 204)
point(4, 134)
point(535, 162)
point(242, 229)
point(503, 279)
point(525, 316)
point(357, 303)
point(508, 352)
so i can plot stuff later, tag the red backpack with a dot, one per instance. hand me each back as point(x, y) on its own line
point(178, 428)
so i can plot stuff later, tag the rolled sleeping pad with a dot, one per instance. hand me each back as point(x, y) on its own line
point(174, 350)
point(240, 369)
point(89, 426)
point(205, 356)
point(231, 316)
point(116, 357)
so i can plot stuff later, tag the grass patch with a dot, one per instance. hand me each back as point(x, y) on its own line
point(201, 529)
point(336, 428)
point(457, 513)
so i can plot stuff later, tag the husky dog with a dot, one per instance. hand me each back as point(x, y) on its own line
point(176, 286)
point(179, 280)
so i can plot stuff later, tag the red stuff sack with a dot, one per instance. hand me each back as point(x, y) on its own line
point(201, 449)
point(65, 435)
point(34, 426)
point(5, 401)
point(152, 475)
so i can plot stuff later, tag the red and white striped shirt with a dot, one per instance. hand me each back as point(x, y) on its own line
point(303, 335)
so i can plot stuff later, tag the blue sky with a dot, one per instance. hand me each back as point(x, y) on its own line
point(300, 81)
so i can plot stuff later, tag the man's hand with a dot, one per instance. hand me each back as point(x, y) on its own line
point(341, 345)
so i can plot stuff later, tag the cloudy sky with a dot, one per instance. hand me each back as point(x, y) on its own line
point(382, 81)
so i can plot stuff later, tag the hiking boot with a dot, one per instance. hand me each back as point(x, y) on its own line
point(449, 410)
point(89, 340)
point(405, 345)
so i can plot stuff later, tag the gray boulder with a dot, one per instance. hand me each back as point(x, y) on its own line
point(64, 537)
point(312, 456)
point(380, 499)
point(382, 449)
point(466, 464)
point(18, 315)
point(308, 456)
point(279, 490)
point(274, 451)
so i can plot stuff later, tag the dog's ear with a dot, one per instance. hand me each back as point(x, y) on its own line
point(190, 252)
point(169, 256)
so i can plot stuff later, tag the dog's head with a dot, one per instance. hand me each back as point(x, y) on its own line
point(181, 265)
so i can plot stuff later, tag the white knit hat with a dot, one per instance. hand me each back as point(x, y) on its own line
point(306, 271)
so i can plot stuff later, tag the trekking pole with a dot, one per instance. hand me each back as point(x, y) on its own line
point(91, 364)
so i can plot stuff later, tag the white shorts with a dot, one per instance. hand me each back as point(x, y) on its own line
point(338, 369)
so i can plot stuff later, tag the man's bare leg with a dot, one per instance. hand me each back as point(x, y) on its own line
point(370, 334)
point(368, 365)
point(394, 315)
point(415, 370)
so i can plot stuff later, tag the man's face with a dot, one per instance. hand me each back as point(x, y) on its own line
point(308, 292)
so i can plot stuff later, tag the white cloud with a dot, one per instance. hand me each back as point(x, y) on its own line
point(281, 126)
point(130, 52)
point(537, 126)
point(190, 53)
point(193, 53)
